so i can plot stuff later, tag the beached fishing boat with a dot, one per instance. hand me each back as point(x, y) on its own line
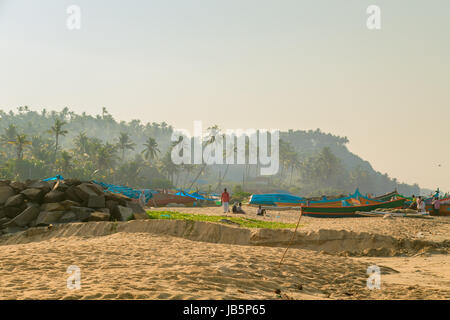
point(341, 212)
point(272, 198)
point(163, 199)
point(355, 199)
point(444, 209)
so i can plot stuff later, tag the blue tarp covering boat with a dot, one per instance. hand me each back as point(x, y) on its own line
point(272, 199)
point(126, 191)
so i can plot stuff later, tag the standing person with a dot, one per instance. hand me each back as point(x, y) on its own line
point(261, 211)
point(225, 200)
point(142, 198)
point(413, 204)
point(436, 205)
point(420, 205)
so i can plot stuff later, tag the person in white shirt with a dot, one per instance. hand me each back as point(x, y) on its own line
point(420, 205)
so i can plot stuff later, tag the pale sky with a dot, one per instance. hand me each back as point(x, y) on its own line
point(281, 64)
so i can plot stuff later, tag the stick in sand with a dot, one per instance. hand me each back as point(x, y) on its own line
point(293, 235)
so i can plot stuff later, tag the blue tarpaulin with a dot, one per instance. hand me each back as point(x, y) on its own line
point(57, 177)
point(126, 191)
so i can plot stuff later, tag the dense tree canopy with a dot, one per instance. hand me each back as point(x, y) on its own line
point(36, 145)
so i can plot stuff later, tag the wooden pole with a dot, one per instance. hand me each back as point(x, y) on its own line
point(293, 235)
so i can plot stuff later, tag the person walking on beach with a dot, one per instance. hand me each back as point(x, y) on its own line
point(420, 205)
point(225, 200)
point(142, 198)
point(436, 205)
point(413, 204)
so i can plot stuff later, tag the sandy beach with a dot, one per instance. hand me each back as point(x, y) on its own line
point(157, 259)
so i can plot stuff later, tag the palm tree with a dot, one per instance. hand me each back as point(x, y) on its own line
point(65, 162)
point(81, 143)
point(58, 131)
point(211, 138)
point(151, 149)
point(125, 143)
point(20, 142)
point(9, 135)
point(168, 167)
point(106, 156)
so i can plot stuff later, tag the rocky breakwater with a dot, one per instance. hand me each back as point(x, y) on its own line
point(40, 203)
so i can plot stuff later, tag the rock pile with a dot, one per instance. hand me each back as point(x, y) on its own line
point(40, 203)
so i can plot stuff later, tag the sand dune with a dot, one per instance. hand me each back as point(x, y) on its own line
point(159, 259)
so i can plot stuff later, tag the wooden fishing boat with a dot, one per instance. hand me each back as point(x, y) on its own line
point(336, 203)
point(444, 210)
point(341, 212)
point(163, 199)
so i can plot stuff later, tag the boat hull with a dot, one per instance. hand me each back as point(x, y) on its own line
point(162, 200)
point(344, 212)
point(443, 211)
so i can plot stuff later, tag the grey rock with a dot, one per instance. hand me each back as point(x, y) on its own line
point(52, 207)
point(33, 194)
point(43, 185)
point(111, 204)
point(45, 217)
point(82, 213)
point(97, 201)
point(17, 186)
point(140, 216)
point(85, 190)
point(6, 192)
point(4, 221)
point(124, 213)
point(15, 201)
point(68, 217)
point(54, 196)
point(99, 216)
point(26, 217)
point(12, 212)
point(69, 203)
point(71, 194)
point(136, 207)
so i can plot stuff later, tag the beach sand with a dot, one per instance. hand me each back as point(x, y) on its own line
point(177, 260)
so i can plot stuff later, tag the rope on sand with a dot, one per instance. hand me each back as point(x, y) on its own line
point(293, 235)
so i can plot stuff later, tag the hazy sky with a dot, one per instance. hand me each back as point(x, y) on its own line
point(246, 64)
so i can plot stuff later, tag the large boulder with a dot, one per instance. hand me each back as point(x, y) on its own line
point(97, 201)
point(26, 217)
point(69, 203)
point(99, 216)
point(2, 212)
point(15, 201)
point(71, 194)
point(12, 212)
point(140, 216)
point(121, 213)
point(120, 198)
point(72, 182)
point(136, 207)
point(17, 186)
point(54, 196)
point(43, 185)
point(105, 210)
point(68, 217)
point(5, 183)
point(4, 221)
point(62, 187)
point(85, 190)
point(46, 218)
point(52, 207)
point(6, 192)
point(82, 213)
point(34, 194)
point(111, 204)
